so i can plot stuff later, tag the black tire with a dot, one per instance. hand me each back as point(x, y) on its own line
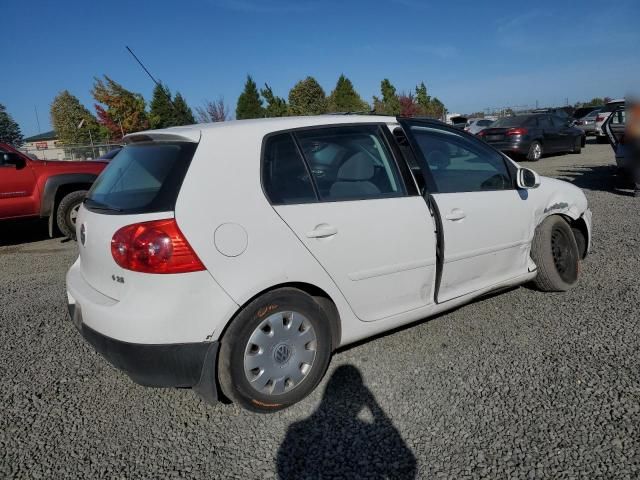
point(555, 252)
point(577, 145)
point(235, 343)
point(65, 212)
point(535, 151)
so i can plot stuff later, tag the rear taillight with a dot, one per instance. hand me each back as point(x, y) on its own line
point(481, 133)
point(516, 131)
point(154, 247)
point(600, 118)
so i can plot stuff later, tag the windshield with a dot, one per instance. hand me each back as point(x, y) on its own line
point(142, 178)
point(516, 121)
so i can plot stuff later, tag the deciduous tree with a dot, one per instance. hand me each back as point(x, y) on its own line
point(213, 112)
point(67, 114)
point(118, 109)
point(307, 98)
point(9, 129)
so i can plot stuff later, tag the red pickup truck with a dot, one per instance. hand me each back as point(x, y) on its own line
point(44, 188)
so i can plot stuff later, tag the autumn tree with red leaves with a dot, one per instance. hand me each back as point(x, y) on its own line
point(118, 109)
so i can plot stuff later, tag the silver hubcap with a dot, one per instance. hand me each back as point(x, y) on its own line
point(73, 214)
point(280, 353)
point(537, 151)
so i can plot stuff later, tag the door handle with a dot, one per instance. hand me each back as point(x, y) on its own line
point(322, 231)
point(455, 214)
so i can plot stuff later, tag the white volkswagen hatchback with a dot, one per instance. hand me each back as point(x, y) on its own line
point(234, 258)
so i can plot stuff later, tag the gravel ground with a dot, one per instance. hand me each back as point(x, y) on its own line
point(519, 385)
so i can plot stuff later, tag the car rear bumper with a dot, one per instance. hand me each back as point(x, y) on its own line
point(170, 365)
point(518, 147)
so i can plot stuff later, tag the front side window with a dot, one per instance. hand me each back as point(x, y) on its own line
point(460, 165)
point(544, 122)
point(350, 163)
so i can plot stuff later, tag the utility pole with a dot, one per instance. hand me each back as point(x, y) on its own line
point(37, 119)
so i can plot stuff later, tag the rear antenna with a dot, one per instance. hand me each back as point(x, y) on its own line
point(151, 76)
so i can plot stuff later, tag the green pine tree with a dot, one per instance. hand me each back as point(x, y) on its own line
point(9, 130)
point(307, 98)
point(390, 103)
point(344, 98)
point(67, 114)
point(423, 99)
point(249, 102)
point(182, 114)
point(161, 112)
point(276, 106)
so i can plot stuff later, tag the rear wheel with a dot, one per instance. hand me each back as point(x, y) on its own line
point(275, 351)
point(535, 151)
point(555, 252)
point(67, 212)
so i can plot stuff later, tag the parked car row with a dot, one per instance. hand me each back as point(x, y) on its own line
point(533, 135)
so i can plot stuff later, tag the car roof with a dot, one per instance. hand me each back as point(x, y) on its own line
point(253, 127)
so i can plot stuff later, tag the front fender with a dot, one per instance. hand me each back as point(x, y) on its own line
point(54, 182)
point(557, 197)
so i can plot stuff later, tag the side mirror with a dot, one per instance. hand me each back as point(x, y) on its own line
point(527, 179)
point(11, 159)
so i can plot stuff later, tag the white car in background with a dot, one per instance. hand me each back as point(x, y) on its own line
point(603, 114)
point(476, 125)
point(235, 257)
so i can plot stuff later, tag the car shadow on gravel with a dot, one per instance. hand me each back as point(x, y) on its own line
point(348, 436)
point(603, 178)
point(16, 232)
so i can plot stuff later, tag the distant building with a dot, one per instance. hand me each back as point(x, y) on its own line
point(44, 146)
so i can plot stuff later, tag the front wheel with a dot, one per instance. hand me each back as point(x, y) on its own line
point(67, 212)
point(577, 145)
point(275, 351)
point(555, 252)
point(535, 151)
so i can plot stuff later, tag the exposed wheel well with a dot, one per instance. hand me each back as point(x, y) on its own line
point(581, 234)
point(320, 296)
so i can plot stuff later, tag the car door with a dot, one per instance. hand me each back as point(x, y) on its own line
point(356, 209)
point(485, 221)
point(551, 138)
point(566, 135)
point(17, 183)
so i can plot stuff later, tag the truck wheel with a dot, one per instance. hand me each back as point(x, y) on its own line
point(555, 252)
point(275, 352)
point(67, 212)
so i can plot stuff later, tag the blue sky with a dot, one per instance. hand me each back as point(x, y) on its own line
point(472, 55)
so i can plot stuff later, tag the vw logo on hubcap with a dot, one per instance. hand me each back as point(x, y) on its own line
point(282, 353)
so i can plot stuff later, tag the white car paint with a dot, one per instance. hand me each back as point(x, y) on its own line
point(376, 261)
point(604, 113)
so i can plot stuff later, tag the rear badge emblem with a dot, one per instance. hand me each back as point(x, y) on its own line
point(83, 234)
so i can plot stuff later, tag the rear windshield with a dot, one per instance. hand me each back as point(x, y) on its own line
point(610, 107)
point(484, 123)
point(142, 178)
point(511, 121)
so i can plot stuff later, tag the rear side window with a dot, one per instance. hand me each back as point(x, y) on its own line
point(350, 163)
point(284, 175)
point(142, 178)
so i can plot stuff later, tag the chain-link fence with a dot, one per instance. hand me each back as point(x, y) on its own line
point(70, 152)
